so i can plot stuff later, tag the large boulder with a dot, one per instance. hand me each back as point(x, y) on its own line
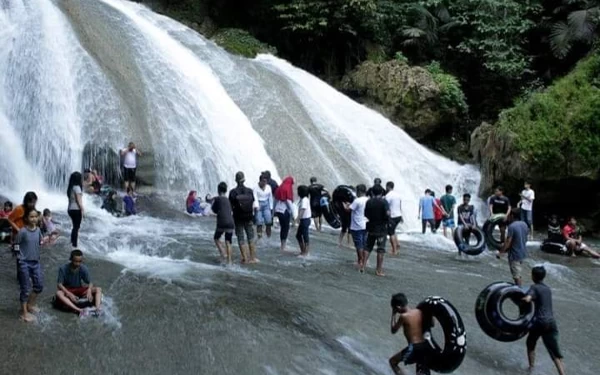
point(411, 96)
point(552, 139)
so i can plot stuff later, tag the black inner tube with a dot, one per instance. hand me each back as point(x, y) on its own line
point(463, 243)
point(488, 229)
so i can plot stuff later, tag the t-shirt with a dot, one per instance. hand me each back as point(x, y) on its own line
point(437, 210)
point(518, 231)
point(130, 159)
point(426, 204)
point(282, 206)
point(305, 204)
point(30, 243)
point(370, 191)
point(555, 233)
point(17, 216)
point(395, 203)
point(542, 296)
point(49, 226)
point(73, 198)
point(358, 220)
point(242, 203)
point(448, 202)
point(377, 212)
point(265, 195)
point(570, 232)
point(222, 208)
point(72, 278)
point(467, 214)
point(525, 204)
point(315, 191)
point(500, 204)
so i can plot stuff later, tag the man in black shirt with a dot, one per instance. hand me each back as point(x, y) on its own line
point(315, 190)
point(377, 211)
point(500, 204)
point(221, 206)
point(244, 208)
point(376, 182)
point(544, 325)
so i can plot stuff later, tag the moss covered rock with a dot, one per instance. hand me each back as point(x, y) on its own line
point(240, 42)
point(410, 96)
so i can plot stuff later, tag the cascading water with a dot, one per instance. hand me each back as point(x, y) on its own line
point(126, 73)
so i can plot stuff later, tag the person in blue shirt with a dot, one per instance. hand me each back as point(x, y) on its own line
point(426, 214)
point(74, 283)
point(516, 244)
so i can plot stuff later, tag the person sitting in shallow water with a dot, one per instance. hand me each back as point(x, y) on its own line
point(574, 242)
point(74, 283)
point(554, 230)
point(192, 203)
point(110, 203)
point(129, 202)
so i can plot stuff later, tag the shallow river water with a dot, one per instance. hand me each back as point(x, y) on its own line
point(171, 309)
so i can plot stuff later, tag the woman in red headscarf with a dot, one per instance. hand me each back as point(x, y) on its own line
point(284, 208)
point(192, 204)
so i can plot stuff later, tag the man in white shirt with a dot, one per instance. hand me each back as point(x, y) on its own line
point(358, 222)
point(129, 155)
point(395, 203)
point(527, 198)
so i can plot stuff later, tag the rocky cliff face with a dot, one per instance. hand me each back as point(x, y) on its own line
point(408, 95)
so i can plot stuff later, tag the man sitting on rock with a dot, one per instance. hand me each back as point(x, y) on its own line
point(574, 241)
point(74, 284)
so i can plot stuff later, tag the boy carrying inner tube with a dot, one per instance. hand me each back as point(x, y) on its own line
point(412, 321)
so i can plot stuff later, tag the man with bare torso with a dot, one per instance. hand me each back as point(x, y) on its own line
point(411, 320)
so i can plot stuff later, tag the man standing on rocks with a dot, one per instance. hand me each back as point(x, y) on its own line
point(244, 208)
point(527, 197)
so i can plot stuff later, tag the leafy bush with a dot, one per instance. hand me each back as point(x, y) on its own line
point(399, 56)
point(240, 42)
point(452, 98)
point(559, 128)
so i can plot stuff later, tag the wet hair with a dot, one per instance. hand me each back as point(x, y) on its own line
point(500, 189)
point(466, 195)
point(29, 210)
point(75, 253)
point(29, 197)
point(313, 180)
point(448, 188)
point(74, 180)
point(399, 300)
point(377, 181)
point(538, 273)
point(361, 188)
point(47, 212)
point(303, 191)
point(8, 204)
point(377, 190)
point(389, 185)
point(222, 188)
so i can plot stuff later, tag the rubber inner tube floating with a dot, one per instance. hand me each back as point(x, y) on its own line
point(488, 229)
point(463, 243)
point(328, 211)
point(554, 248)
point(491, 317)
point(447, 358)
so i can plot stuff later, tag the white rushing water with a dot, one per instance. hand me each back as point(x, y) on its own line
point(91, 75)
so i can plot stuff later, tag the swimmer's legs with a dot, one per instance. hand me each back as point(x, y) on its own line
point(221, 249)
point(395, 361)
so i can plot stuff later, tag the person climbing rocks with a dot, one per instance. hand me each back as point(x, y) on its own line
point(411, 321)
point(358, 223)
point(544, 324)
point(395, 202)
point(27, 248)
point(284, 209)
point(75, 208)
point(74, 282)
point(316, 191)
point(304, 216)
point(500, 204)
point(574, 241)
point(129, 155)
point(526, 205)
point(221, 206)
point(263, 217)
point(448, 203)
point(516, 245)
point(244, 208)
point(377, 212)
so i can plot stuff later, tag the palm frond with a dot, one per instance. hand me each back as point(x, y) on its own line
point(560, 39)
point(581, 25)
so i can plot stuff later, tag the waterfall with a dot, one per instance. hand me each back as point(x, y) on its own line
point(81, 78)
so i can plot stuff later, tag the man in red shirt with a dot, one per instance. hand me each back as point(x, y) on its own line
point(574, 242)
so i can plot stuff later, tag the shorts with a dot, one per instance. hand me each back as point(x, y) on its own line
point(516, 268)
point(79, 292)
point(394, 224)
point(129, 174)
point(244, 230)
point(527, 217)
point(345, 220)
point(263, 214)
point(315, 210)
point(417, 354)
point(29, 272)
point(303, 229)
point(360, 238)
point(549, 335)
point(219, 233)
point(448, 222)
point(376, 239)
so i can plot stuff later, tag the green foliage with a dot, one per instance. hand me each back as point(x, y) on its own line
point(240, 42)
point(560, 127)
point(579, 25)
point(399, 56)
point(452, 98)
